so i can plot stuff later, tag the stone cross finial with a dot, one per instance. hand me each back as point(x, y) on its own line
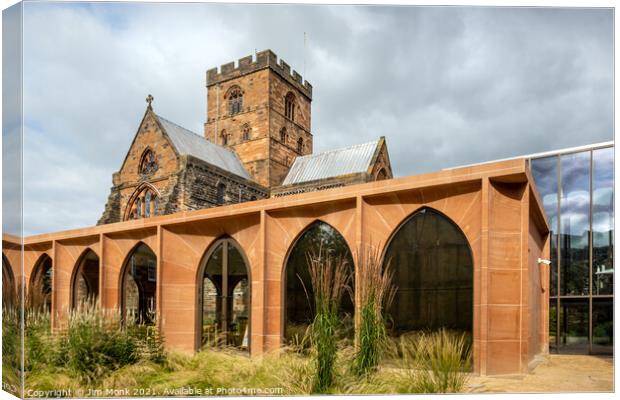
point(149, 100)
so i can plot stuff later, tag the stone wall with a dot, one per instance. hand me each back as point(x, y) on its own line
point(200, 182)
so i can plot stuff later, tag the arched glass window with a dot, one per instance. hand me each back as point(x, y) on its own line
point(283, 136)
point(224, 297)
point(138, 286)
point(299, 298)
point(221, 191)
point(148, 163)
point(8, 285)
point(433, 273)
point(235, 100)
point(300, 145)
point(143, 204)
point(40, 288)
point(246, 132)
point(86, 280)
point(147, 204)
point(289, 106)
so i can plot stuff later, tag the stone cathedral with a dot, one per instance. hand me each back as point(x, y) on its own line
point(257, 143)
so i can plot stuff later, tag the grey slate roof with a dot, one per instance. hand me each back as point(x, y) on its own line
point(188, 142)
point(330, 164)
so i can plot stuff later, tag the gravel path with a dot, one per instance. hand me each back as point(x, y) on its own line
point(557, 373)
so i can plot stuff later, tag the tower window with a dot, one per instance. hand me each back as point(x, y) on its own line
point(289, 106)
point(283, 136)
point(246, 132)
point(221, 189)
point(235, 100)
point(224, 137)
point(300, 145)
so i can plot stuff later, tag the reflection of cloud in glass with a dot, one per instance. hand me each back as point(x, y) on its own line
point(575, 172)
point(603, 167)
point(602, 222)
point(575, 199)
point(544, 171)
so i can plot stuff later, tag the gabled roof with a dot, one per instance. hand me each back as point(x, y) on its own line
point(190, 143)
point(330, 164)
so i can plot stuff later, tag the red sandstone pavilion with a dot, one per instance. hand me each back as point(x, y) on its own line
point(203, 232)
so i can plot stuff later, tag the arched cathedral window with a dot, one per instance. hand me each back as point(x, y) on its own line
point(148, 163)
point(246, 132)
point(235, 100)
point(289, 106)
point(300, 145)
point(283, 136)
point(143, 205)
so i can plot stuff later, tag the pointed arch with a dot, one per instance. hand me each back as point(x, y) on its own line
point(85, 279)
point(40, 284)
point(9, 290)
point(297, 297)
point(433, 271)
point(225, 266)
point(246, 132)
point(139, 271)
point(138, 206)
point(289, 106)
point(234, 96)
point(148, 162)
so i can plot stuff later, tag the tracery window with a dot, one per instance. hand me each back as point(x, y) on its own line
point(300, 145)
point(283, 136)
point(289, 106)
point(143, 205)
point(148, 163)
point(235, 100)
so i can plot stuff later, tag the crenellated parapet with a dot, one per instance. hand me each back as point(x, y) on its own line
point(264, 59)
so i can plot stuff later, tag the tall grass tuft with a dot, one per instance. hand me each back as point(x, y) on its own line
point(376, 292)
point(436, 362)
point(330, 279)
point(93, 343)
point(11, 348)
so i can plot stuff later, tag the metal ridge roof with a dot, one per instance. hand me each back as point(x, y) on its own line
point(188, 142)
point(332, 163)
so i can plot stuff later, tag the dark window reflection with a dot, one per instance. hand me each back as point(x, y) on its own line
point(553, 327)
point(225, 298)
point(86, 280)
point(574, 223)
point(433, 272)
point(40, 288)
point(139, 285)
point(545, 172)
point(299, 297)
point(602, 221)
point(574, 325)
point(602, 325)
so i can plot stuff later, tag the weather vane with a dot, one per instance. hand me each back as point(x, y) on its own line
point(149, 99)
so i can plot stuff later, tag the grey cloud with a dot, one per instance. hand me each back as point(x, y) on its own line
point(445, 85)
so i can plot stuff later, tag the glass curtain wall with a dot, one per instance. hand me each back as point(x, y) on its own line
point(577, 193)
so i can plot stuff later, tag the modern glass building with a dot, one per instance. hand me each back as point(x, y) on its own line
point(577, 189)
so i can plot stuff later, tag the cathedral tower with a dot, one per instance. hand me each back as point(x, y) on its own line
point(261, 110)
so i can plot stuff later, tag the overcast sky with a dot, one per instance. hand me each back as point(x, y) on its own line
point(445, 86)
